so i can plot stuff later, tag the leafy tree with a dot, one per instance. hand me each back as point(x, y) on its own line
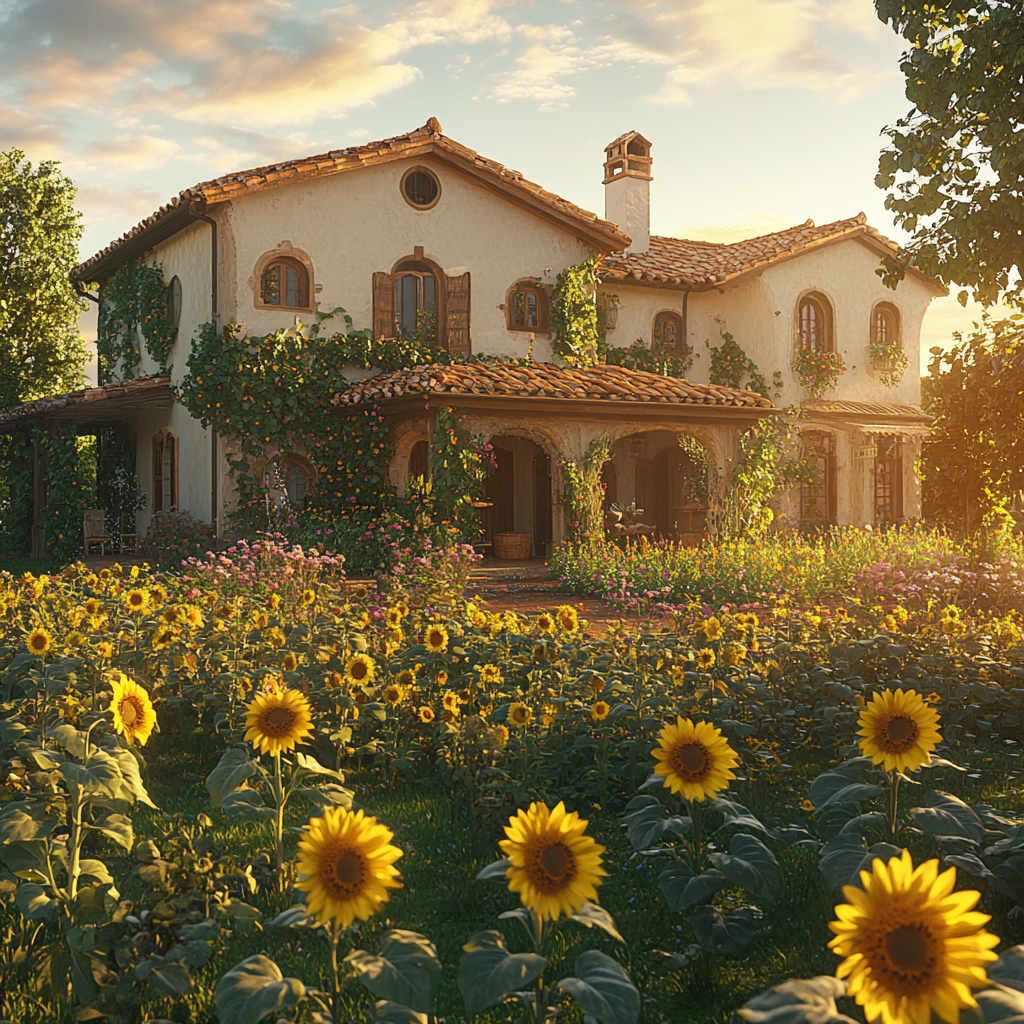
point(955, 166)
point(41, 349)
point(973, 462)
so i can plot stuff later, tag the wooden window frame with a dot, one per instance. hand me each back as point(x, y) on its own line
point(161, 439)
point(677, 317)
point(420, 207)
point(827, 440)
point(892, 311)
point(174, 303)
point(530, 286)
point(298, 260)
point(824, 307)
point(892, 464)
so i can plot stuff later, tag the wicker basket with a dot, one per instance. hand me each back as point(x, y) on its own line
point(512, 546)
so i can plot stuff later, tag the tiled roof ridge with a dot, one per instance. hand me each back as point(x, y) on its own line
point(545, 380)
point(283, 172)
point(87, 394)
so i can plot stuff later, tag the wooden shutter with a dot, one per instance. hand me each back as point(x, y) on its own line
point(158, 473)
point(383, 306)
point(457, 314)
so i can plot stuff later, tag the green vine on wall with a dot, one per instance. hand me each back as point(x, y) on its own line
point(583, 496)
point(730, 364)
point(818, 371)
point(67, 492)
point(17, 508)
point(574, 315)
point(639, 356)
point(460, 463)
point(133, 299)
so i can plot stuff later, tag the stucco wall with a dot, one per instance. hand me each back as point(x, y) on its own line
point(760, 312)
point(353, 224)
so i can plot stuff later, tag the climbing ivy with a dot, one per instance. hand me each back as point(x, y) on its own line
point(730, 364)
point(16, 498)
point(68, 489)
point(639, 356)
point(460, 463)
point(574, 315)
point(133, 299)
point(583, 496)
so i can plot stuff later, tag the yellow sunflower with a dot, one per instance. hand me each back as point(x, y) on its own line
point(706, 658)
point(596, 684)
point(394, 617)
point(104, 649)
point(435, 639)
point(898, 730)
point(732, 654)
point(277, 720)
point(546, 622)
point(519, 714)
point(568, 620)
point(360, 593)
point(346, 867)
point(38, 641)
point(406, 678)
point(289, 662)
point(260, 620)
point(136, 601)
point(132, 709)
point(359, 670)
point(450, 701)
point(712, 629)
point(554, 867)
point(92, 606)
point(163, 638)
point(194, 617)
point(273, 602)
point(308, 597)
point(911, 944)
point(599, 712)
point(491, 674)
point(393, 693)
point(426, 714)
point(333, 680)
point(694, 760)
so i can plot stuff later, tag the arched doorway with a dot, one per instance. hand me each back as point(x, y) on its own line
point(519, 489)
point(680, 495)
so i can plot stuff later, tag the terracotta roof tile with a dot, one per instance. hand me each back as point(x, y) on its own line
point(420, 142)
point(128, 394)
point(878, 410)
point(685, 262)
point(545, 380)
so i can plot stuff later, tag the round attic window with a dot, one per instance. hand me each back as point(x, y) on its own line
point(420, 188)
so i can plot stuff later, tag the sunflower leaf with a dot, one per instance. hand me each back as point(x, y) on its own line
point(738, 816)
point(245, 805)
point(593, 916)
point(797, 1001)
point(847, 855)
point(488, 971)
point(727, 934)
point(117, 827)
point(70, 739)
point(499, 869)
point(253, 989)
point(234, 767)
point(308, 763)
point(682, 888)
point(297, 916)
point(405, 970)
point(100, 776)
point(385, 1012)
point(999, 1003)
point(651, 821)
point(751, 865)
point(603, 990)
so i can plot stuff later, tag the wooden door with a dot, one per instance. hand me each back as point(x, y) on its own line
point(680, 510)
point(501, 490)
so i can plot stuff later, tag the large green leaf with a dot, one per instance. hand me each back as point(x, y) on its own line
point(738, 816)
point(117, 827)
point(847, 855)
point(728, 934)
point(34, 902)
point(310, 764)
point(241, 917)
point(27, 855)
point(488, 971)
point(998, 1004)
point(497, 869)
point(132, 789)
point(234, 767)
point(253, 989)
point(166, 979)
point(826, 785)
point(24, 820)
point(296, 916)
point(603, 989)
point(797, 1001)
point(70, 739)
point(391, 1013)
point(751, 865)
point(593, 916)
point(405, 970)
point(651, 820)
point(245, 805)
point(682, 889)
point(100, 776)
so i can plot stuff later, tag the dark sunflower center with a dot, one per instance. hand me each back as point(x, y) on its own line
point(556, 860)
point(901, 731)
point(908, 949)
point(435, 639)
point(129, 713)
point(279, 718)
point(349, 868)
point(689, 759)
point(39, 643)
point(359, 670)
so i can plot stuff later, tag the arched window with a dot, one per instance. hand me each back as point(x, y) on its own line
point(165, 471)
point(284, 282)
point(814, 324)
point(527, 307)
point(174, 304)
point(416, 301)
point(668, 332)
point(418, 461)
point(885, 324)
point(299, 480)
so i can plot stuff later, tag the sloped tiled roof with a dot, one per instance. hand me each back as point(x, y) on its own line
point(93, 404)
point(545, 380)
point(884, 411)
point(424, 141)
point(709, 264)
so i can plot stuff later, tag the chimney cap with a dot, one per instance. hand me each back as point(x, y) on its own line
point(628, 156)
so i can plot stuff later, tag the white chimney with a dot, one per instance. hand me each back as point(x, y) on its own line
point(627, 188)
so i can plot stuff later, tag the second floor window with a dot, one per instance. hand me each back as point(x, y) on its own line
point(415, 300)
point(814, 326)
point(528, 308)
point(884, 325)
point(668, 332)
point(285, 283)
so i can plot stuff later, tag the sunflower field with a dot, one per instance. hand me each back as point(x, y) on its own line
point(249, 789)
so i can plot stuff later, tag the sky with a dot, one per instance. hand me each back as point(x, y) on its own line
point(762, 113)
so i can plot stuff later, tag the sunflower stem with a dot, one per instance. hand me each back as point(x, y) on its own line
point(336, 993)
point(695, 848)
point(894, 778)
point(279, 819)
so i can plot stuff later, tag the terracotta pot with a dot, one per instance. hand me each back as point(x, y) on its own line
point(512, 546)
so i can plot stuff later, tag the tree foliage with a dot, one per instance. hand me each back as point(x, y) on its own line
point(41, 350)
point(973, 462)
point(955, 166)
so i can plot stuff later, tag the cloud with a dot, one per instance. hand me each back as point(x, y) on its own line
point(39, 140)
point(132, 152)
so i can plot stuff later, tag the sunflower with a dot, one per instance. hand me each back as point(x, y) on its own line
point(712, 629)
point(275, 637)
point(308, 597)
point(194, 617)
point(596, 684)
point(104, 649)
point(38, 641)
point(345, 866)
point(546, 622)
point(911, 944)
point(406, 678)
point(425, 714)
point(568, 620)
point(491, 674)
point(136, 601)
point(359, 670)
point(694, 760)
point(706, 658)
point(333, 680)
point(133, 712)
point(599, 712)
point(273, 602)
point(435, 639)
point(360, 593)
point(157, 593)
point(163, 638)
point(92, 606)
point(170, 615)
point(393, 617)
point(554, 867)
point(898, 730)
point(289, 662)
point(261, 620)
point(277, 720)
point(733, 653)
point(519, 714)
point(393, 693)
point(450, 701)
